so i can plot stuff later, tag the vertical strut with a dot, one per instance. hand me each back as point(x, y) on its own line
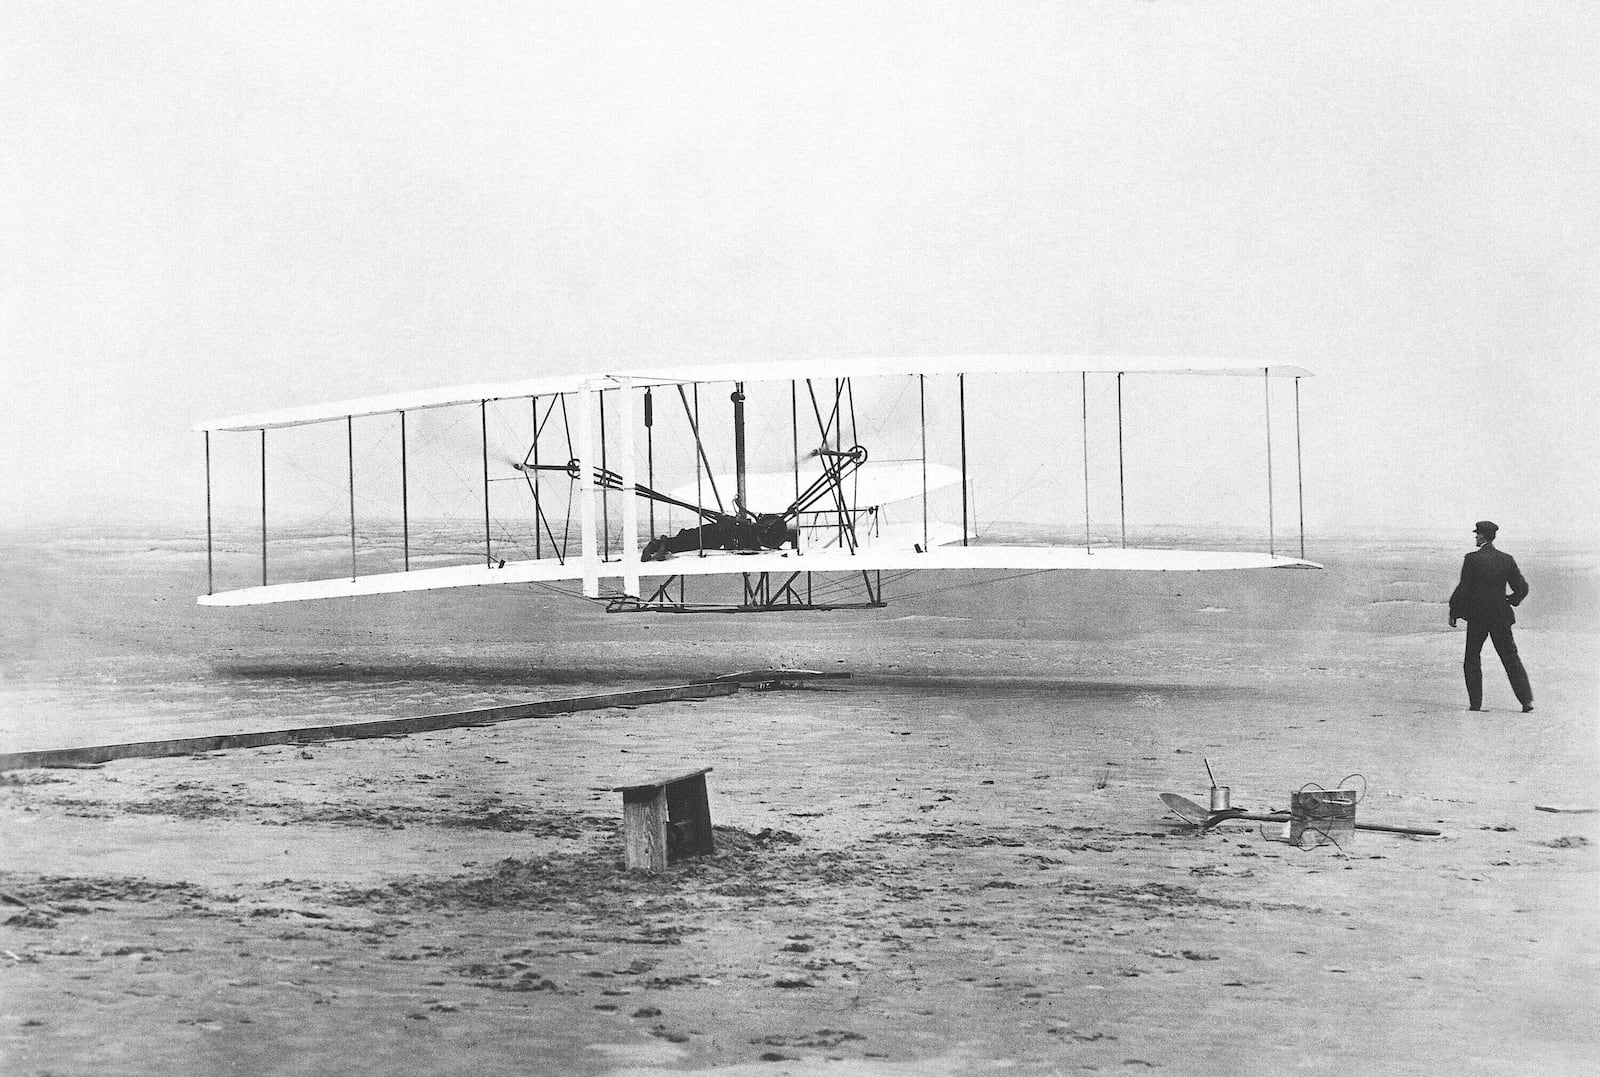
point(263, 507)
point(211, 581)
point(350, 459)
point(699, 501)
point(538, 513)
point(1299, 477)
point(650, 452)
point(630, 498)
point(483, 421)
point(922, 409)
point(1122, 488)
point(961, 383)
point(541, 522)
point(1083, 392)
point(1266, 385)
point(605, 499)
point(405, 498)
point(586, 491)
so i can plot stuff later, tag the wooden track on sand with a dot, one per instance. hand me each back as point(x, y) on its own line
point(386, 727)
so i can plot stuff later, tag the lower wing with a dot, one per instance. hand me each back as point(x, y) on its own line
point(724, 562)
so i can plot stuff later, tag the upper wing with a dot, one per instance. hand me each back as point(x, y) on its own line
point(419, 400)
point(783, 370)
point(932, 366)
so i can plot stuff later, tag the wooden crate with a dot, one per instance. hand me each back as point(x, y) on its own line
point(665, 820)
point(1322, 817)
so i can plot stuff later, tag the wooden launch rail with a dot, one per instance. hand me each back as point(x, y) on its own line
point(386, 727)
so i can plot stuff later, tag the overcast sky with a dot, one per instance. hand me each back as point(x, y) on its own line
point(214, 208)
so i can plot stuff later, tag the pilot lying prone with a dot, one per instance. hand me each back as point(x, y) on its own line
point(747, 534)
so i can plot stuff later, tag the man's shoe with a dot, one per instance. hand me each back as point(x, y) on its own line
point(1474, 708)
point(1526, 707)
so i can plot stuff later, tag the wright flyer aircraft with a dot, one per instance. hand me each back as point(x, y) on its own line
point(744, 487)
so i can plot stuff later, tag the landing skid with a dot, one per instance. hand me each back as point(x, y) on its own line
point(763, 593)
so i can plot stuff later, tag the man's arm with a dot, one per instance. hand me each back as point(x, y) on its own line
point(1519, 586)
point(1458, 596)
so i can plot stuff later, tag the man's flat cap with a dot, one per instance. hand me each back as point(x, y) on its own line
point(1486, 528)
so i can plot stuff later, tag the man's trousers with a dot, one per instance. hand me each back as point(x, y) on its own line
point(1506, 647)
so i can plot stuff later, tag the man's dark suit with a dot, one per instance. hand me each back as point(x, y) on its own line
point(1481, 599)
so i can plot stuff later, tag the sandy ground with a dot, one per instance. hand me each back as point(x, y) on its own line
point(954, 862)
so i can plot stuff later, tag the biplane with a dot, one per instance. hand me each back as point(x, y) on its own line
point(825, 498)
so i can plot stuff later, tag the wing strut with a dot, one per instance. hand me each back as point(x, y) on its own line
point(1122, 489)
point(1083, 395)
point(1299, 477)
point(961, 385)
point(533, 485)
point(831, 472)
point(530, 471)
point(794, 427)
point(1266, 385)
point(263, 506)
point(630, 505)
point(922, 408)
point(405, 500)
point(700, 458)
point(605, 502)
point(211, 577)
point(586, 492)
point(350, 459)
point(488, 542)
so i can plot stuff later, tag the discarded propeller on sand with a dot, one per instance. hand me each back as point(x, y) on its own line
point(1206, 818)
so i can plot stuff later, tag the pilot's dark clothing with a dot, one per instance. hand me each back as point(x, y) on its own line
point(1483, 601)
point(769, 531)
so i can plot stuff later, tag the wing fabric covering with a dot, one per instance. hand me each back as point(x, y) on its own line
point(801, 370)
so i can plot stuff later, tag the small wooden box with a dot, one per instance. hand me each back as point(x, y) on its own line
point(1322, 817)
point(665, 820)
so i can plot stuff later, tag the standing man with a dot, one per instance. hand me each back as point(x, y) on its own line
point(1481, 599)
